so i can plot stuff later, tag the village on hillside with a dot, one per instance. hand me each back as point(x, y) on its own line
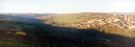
point(120, 21)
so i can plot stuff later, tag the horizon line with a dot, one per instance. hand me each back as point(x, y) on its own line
point(64, 13)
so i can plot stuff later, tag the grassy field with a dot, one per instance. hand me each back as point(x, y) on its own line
point(13, 44)
point(71, 18)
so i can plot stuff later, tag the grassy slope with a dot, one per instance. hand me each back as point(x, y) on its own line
point(11, 24)
point(13, 44)
point(70, 18)
point(7, 26)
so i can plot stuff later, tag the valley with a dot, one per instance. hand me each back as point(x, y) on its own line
point(67, 30)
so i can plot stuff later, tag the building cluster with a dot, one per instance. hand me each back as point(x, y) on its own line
point(121, 21)
point(128, 19)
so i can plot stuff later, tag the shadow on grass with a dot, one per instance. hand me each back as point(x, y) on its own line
point(53, 36)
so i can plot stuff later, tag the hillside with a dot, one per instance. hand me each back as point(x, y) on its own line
point(66, 30)
point(84, 21)
point(12, 34)
point(18, 34)
point(13, 44)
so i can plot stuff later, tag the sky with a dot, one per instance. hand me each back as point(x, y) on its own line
point(66, 6)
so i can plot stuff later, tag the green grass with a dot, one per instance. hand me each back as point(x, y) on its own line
point(71, 18)
point(13, 44)
point(19, 26)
